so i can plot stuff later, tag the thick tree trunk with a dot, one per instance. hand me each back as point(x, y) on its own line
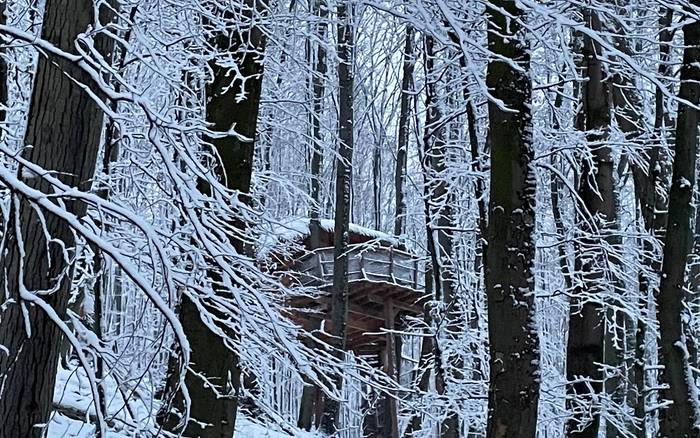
point(211, 414)
point(514, 344)
point(587, 339)
point(64, 128)
point(679, 420)
point(343, 189)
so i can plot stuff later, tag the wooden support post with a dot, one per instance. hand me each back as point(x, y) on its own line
point(318, 409)
point(391, 265)
point(309, 396)
point(391, 427)
point(398, 346)
point(415, 273)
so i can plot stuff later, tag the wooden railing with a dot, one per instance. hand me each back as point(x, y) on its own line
point(375, 264)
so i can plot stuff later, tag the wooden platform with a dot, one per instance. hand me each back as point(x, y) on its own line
point(382, 282)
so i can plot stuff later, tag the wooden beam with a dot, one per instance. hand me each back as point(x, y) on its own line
point(402, 305)
point(391, 426)
point(359, 310)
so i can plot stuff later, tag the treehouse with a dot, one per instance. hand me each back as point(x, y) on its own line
point(385, 280)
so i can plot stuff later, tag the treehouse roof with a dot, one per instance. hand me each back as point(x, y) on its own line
point(297, 230)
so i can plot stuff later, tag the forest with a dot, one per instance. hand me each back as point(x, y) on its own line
point(349, 218)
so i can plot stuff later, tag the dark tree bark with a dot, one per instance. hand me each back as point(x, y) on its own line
point(678, 420)
point(514, 344)
point(343, 189)
point(404, 126)
point(3, 74)
point(64, 128)
point(555, 187)
point(318, 86)
point(482, 222)
point(377, 179)
point(439, 215)
point(213, 415)
point(432, 159)
point(585, 348)
point(310, 393)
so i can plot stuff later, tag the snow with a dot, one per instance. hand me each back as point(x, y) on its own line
point(297, 228)
point(63, 427)
point(683, 183)
point(246, 428)
point(73, 394)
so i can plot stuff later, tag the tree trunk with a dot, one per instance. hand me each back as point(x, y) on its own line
point(390, 424)
point(482, 220)
point(648, 181)
point(422, 378)
point(3, 77)
point(514, 344)
point(317, 58)
point(213, 415)
point(377, 181)
point(110, 154)
point(64, 128)
point(587, 329)
point(404, 126)
point(317, 85)
point(343, 189)
point(678, 420)
point(439, 225)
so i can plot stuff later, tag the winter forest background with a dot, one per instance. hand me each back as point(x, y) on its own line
point(351, 218)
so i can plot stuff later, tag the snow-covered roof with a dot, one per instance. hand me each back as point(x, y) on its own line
point(297, 228)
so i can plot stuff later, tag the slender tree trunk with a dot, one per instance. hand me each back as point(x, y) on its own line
point(212, 414)
point(430, 347)
point(404, 127)
point(679, 419)
point(440, 223)
point(555, 188)
point(64, 128)
point(317, 85)
point(3, 76)
point(423, 371)
point(310, 396)
point(110, 154)
point(648, 181)
point(377, 181)
point(514, 344)
point(620, 342)
point(343, 188)
point(482, 225)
